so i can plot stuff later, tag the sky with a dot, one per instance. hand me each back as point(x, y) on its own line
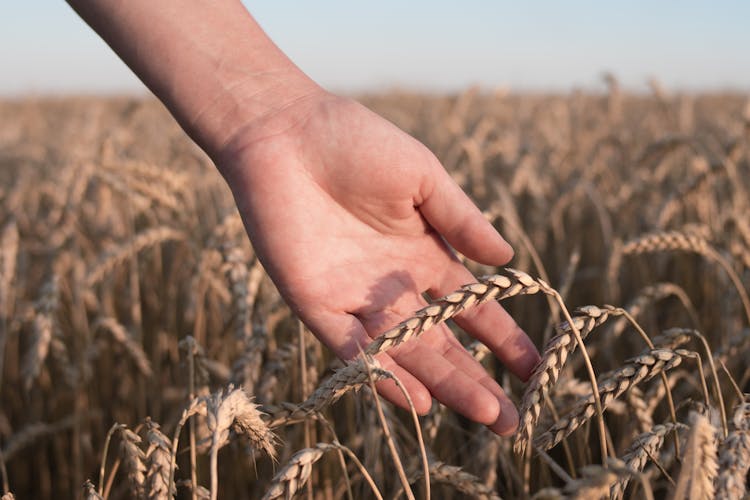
point(355, 46)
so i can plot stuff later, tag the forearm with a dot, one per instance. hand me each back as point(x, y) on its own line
point(208, 61)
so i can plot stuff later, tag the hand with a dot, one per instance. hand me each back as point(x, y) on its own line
point(350, 215)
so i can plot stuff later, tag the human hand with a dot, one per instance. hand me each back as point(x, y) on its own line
point(348, 215)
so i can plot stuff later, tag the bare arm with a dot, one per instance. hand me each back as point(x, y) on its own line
point(209, 62)
point(349, 215)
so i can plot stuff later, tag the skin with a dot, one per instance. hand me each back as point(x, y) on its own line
point(352, 218)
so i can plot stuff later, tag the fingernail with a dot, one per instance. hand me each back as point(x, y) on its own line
point(507, 422)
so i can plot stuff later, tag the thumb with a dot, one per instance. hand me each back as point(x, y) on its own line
point(452, 213)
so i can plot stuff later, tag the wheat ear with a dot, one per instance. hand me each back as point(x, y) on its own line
point(547, 371)
point(44, 324)
point(121, 336)
point(351, 377)
point(700, 465)
point(734, 456)
point(295, 473)
point(462, 481)
point(690, 242)
point(611, 386)
point(147, 238)
point(497, 287)
point(134, 459)
point(89, 491)
point(158, 483)
point(235, 409)
point(643, 447)
point(8, 256)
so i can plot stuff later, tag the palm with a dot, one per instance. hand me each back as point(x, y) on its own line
point(345, 213)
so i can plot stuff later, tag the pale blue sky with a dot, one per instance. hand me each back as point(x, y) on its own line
point(429, 45)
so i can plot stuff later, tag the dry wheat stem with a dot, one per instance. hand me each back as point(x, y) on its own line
point(717, 385)
point(417, 428)
point(670, 339)
point(191, 347)
point(107, 440)
point(387, 434)
point(554, 466)
point(196, 406)
point(592, 378)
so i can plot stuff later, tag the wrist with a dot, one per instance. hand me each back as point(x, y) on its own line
point(253, 106)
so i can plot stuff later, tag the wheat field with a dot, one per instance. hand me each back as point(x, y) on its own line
point(144, 353)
